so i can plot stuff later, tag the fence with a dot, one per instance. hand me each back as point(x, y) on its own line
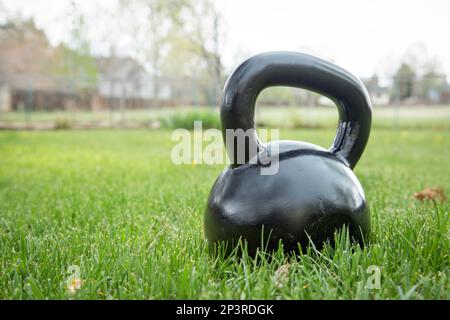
point(137, 98)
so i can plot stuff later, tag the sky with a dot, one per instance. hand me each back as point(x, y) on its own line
point(364, 37)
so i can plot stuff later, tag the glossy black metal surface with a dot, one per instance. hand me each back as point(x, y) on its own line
point(315, 191)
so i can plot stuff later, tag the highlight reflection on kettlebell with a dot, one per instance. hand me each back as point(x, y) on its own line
point(314, 192)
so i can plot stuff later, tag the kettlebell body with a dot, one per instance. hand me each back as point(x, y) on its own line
point(314, 191)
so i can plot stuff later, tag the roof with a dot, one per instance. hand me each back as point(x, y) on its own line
point(119, 67)
point(25, 57)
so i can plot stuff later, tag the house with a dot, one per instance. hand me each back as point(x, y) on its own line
point(5, 97)
point(123, 80)
point(34, 75)
point(445, 94)
point(379, 95)
point(27, 79)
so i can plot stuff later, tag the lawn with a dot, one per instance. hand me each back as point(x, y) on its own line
point(111, 205)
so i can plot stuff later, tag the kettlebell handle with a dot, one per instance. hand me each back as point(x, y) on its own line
point(302, 71)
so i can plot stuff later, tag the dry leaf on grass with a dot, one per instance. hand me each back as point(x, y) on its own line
point(433, 193)
point(281, 275)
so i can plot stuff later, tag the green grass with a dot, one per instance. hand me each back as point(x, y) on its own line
point(112, 203)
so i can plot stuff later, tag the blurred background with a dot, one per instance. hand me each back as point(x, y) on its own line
point(91, 90)
point(155, 63)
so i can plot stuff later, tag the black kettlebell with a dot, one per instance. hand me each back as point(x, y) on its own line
point(314, 192)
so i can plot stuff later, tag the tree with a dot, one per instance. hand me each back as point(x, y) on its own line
point(432, 82)
point(403, 86)
point(161, 18)
point(419, 75)
point(76, 66)
point(74, 60)
point(206, 35)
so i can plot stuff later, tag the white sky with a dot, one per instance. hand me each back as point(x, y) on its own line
point(361, 36)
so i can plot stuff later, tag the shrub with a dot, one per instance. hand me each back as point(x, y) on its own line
point(290, 119)
point(62, 123)
point(296, 121)
point(185, 119)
